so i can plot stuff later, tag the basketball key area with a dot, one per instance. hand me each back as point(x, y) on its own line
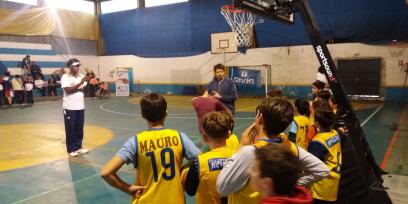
point(36, 169)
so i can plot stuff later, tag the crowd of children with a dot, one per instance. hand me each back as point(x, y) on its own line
point(265, 166)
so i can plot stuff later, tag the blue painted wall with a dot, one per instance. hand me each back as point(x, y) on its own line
point(184, 29)
point(397, 94)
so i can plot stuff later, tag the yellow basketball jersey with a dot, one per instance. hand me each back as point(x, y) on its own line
point(302, 123)
point(327, 188)
point(311, 116)
point(243, 196)
point(158, 163)
point(211, 163)
point(232, 143)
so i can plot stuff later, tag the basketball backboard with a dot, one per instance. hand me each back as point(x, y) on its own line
point(223, 43)
point(274, 9)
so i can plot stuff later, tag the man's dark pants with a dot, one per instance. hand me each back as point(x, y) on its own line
point(74, 129)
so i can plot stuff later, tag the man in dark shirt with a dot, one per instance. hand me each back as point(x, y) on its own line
point(223, 88)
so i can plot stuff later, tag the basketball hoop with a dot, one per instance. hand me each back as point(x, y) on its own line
point(241, 23)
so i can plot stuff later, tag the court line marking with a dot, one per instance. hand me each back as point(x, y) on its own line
point(102, 107)
point(372, 114)
point(393, 139)
point(55, 189)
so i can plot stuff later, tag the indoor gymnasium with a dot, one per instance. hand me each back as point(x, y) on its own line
point(185, 101)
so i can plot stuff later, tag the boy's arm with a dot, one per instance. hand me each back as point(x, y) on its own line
point(234, 175)
point(108, 173)
point(247, 137)
point(126, 154)
point(192, 179)
point(314, 168)
point(190, 150)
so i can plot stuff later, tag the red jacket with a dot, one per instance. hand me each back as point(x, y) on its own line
point(302, 196)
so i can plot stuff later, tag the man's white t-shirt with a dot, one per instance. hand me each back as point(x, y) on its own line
point(74, 101)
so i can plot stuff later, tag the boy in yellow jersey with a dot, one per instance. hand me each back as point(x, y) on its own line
point(326, 146)
point(273, 117)
point(202, 175)
point(157, 154)
point(300, 123)
point(232, 142)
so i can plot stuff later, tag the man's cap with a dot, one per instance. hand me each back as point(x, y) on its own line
point(73, 62)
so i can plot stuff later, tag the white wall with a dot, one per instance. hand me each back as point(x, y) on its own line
point(295, 65)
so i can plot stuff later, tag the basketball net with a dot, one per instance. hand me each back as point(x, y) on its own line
point(241, 23)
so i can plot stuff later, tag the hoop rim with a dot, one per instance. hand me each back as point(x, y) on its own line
point(230, 8)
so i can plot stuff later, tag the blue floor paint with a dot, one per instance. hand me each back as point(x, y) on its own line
point(53, 182)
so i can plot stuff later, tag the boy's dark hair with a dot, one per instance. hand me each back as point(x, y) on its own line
point(302, 106)
point(281, 165)
point(201, 90)
point(219, 66)
point(216, 124)
point(153, 107)
point(324, 115)
point(317, 104)
point(318, 84)
point(277, 114)
point(324, 94)
point(320, 70)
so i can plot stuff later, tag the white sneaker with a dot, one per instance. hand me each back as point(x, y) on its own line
point(82, 151)
point(73, 154)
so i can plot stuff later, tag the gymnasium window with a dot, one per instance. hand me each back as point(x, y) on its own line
point(73, 5)
point(151, 3)
point(29, 2)
point(117, 5)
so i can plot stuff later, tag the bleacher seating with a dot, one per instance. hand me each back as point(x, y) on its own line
point(12, 53)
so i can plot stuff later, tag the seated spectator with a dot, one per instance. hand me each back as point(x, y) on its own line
point(103, 90)
point(8, 88)
point(28, 87)
point(40, 85)
point(35, 70)
point(93, 85)
point(274, 174)
point(18, 89)
point(87, 88)
point(52, 86)
point(26, 64)
point(2, 95)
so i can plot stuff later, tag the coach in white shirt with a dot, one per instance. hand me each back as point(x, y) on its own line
point(74, 109)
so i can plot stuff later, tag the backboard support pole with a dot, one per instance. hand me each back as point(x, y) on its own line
point(359, 167)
